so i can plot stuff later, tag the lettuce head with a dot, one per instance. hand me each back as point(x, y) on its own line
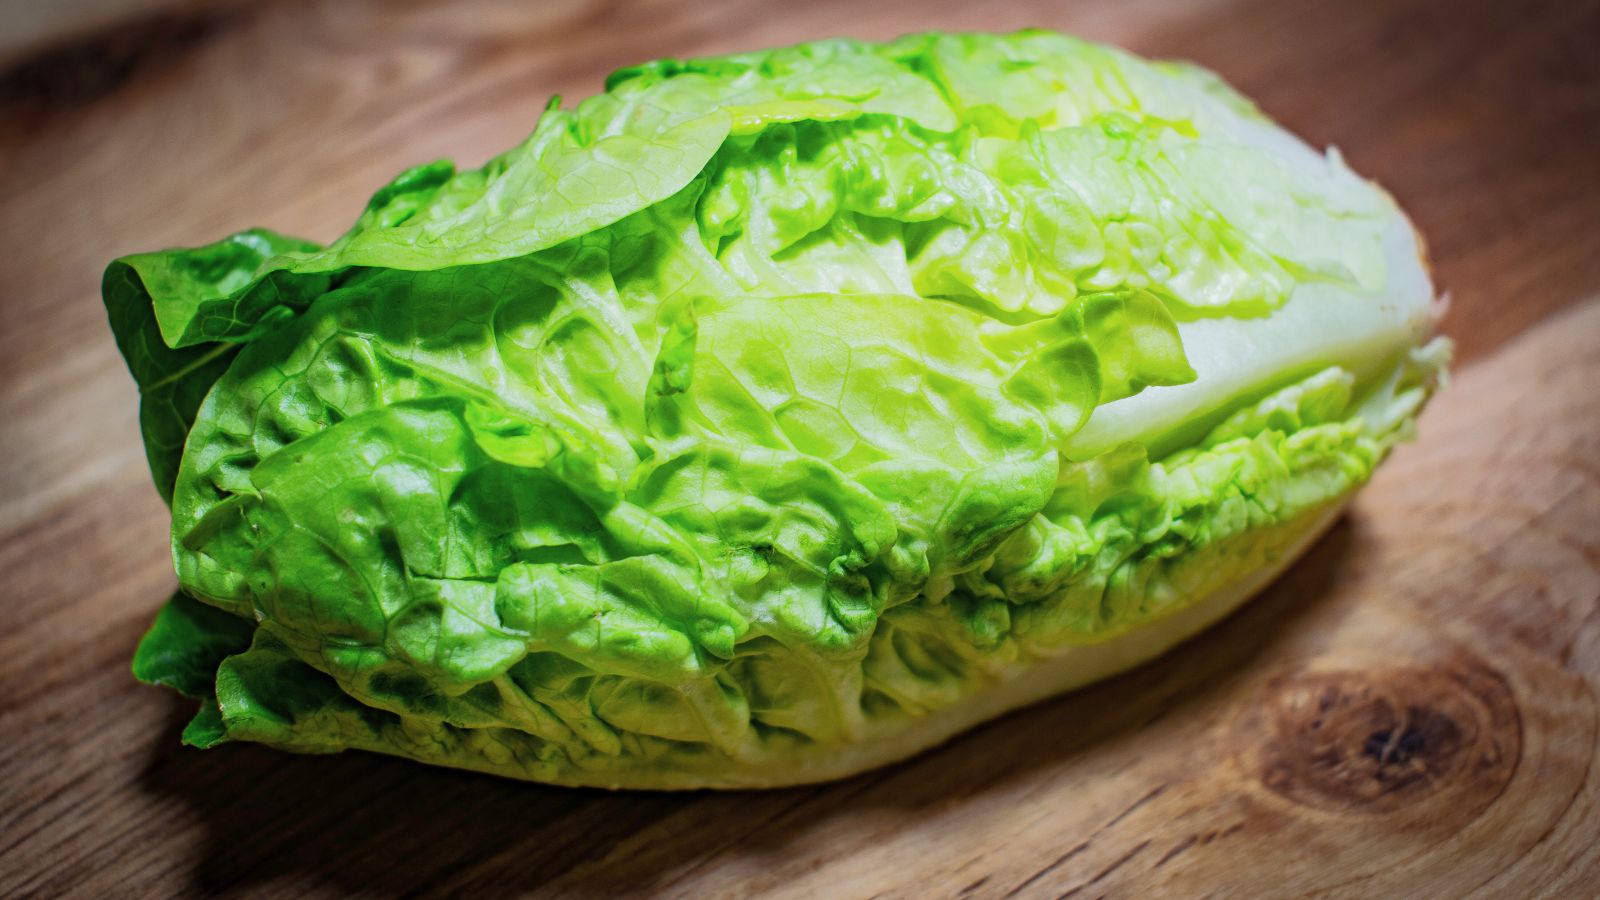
point(768, 417)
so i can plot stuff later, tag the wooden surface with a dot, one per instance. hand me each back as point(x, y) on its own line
point(1410, 712)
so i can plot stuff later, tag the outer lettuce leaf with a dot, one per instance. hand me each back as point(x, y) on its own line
point(178, 316)
point(186, 643)
point(734, 414)
point(1124, 202)
point(182, 650)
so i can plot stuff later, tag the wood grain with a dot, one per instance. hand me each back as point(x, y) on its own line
point(1411, 711)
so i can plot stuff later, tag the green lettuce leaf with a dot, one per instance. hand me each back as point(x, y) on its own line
point(763, 408)
point(179, 316)
point(186, 643)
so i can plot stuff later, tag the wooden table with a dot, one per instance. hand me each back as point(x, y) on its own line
point(1410, 712)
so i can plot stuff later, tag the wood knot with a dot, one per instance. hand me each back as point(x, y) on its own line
point(1384, 740)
